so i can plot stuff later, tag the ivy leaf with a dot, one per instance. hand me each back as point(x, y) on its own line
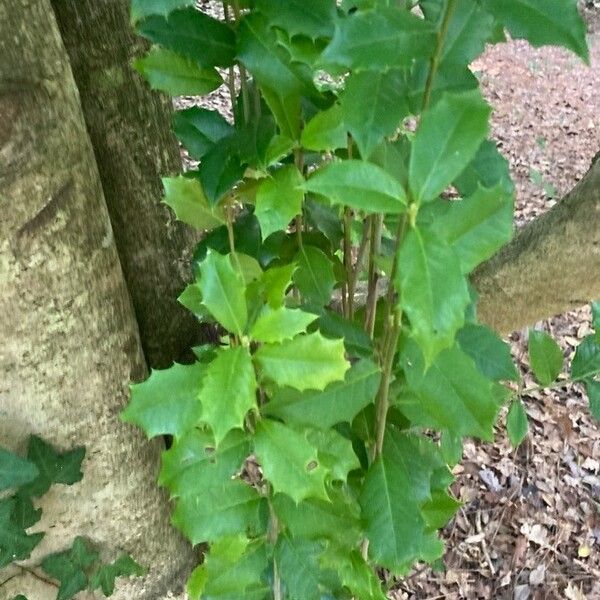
point(289, 461)
point(586, 362)
point(447, 139)
point(53, 467)
point(516, 423)
point(326, 131)
point(24, 514)
point(193, 34)
point(167, 402)
point(186, 197)
point(276, 325)
point(311, 18)
point(543, 23)
point(145, 8)
point(593, 391)
point(104, 577)
point(545, 357)
point(228, 391)
point(15, 544)
point(200, 129)
point(178, 76)
point(490, 353)
point(381, 39)
point(360, 185)
point(223, 292)
point(314, 276)
point(279, 199)
point(373, 105)
point(450, 395)
point(338, 402)
point(69, 568)
point(433, 290)
point(396, 486)
point(305, 362)
point(15, 471)
point(335, 452)
point(221, 510)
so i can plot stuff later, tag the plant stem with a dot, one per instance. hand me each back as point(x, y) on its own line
point(272, 535)
point(374, 250)
point(354, 272)
point(437, 54)
point(349, 308)
point(299, 221)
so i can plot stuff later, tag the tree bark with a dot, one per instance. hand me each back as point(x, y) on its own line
point(129, 126)
point(70, 343)
point(552, 265)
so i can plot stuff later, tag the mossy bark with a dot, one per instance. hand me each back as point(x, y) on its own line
point(69, 339)
point(130, 129)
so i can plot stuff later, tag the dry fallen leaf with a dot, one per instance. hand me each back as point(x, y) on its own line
point(573, 593)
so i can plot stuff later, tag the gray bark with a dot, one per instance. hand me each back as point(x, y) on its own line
point(70, 344)
point(129, 126)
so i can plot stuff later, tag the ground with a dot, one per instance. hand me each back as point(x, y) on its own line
point(530, 523)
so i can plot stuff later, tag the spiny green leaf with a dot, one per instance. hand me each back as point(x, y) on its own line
point(545, 357)
point(335, 452)
point(357, 341)
point(104, 577)
point(14, 470)
point(200, 129)
point(596, 319)
point(543, 23)
point(447, 139)
point(354, 573)
point(276, 325)
point(221, 169)
point(440, 509)
point(276, 281)
point(311, 18)
point(279, 199)
point(338, 402)
point(15, 544)
point(451, 447)
point(360, 185)
point(176, 75)
point(433, 290)
point(289, 461)
point(167, 402)
point(228, 391)
point(516, 423)
point(586, 362)
point(593, 391)
point(145, 8)
point(314, 276)
point(223, 289)
point(305, 362)
point(186, 197)
point(325, 131)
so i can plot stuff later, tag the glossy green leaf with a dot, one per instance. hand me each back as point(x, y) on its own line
point(15, 543)
point(433, 290)
point(338, 402)
point(335, 452)
point(228, 391)
point(586, 362)
point(14, 470)
point(145, 8)
point(186, 197)
point(167, 402)
point(596, 319)
point(24, 514)
point(357, 341)
point(311, 18)
point(451, 447)
point(545, 357)
point(279, 199)
point(277, 281)
point(276, 325)
point(104, 577)
point(382, 39)
point(593, 391)
point(543, 23)
point(305, 362)
point(314, 276)
point(222, 287)
point(516, 423)
point(447, 139)
point(373, 106)
point(220, 170)
point(179, 76)
point(325, 131)
point(355, 573)
point(490, 353)
point(395, 488)
point(297, 563)
point(440, 509)
point(289, 461)
point(200, 129)
point(360, 185)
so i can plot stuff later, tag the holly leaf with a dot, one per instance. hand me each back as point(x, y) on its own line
point(220, 169)
point(144, 8)
point(593, 391)
point(178, 76)
point(104, 577)
point(516, 423)
point(433, 290)
point(354, 573)
point(335, 452)
point(304, 362)
point(276, 282)
point(446, 141)
point(545, 357)
point(339, 402)
point(223, 292)
point(15, 544)
point(310, 18)
point(228, 391)
point(586, 362)
point(326, 131)
point(314, 276)
point(279, 199)
point(360, 185)
point(200, 129)
point(596, 319)
point(276, 325)
point(289, 461)
point(15, 471)
point(186, 197)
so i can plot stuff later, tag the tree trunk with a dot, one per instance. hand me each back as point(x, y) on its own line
point(552, 265)
point(129, 126)
point(69, 341)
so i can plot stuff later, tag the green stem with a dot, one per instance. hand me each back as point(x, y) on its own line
point(374, 250)
point(299, 221)
point(349, 293)
point(272, 535)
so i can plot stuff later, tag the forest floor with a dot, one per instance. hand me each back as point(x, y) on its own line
point(529, 527)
